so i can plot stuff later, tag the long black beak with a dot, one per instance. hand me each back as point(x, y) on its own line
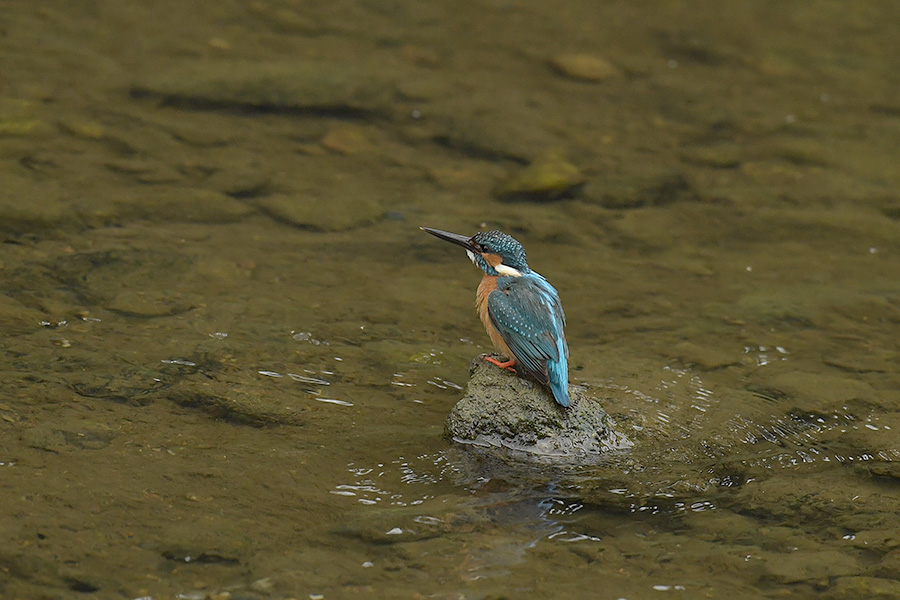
point(460, 240)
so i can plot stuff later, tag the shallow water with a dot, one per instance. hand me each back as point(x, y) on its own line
point(229, 352)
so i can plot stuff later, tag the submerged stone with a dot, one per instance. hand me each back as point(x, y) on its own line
point(584, 67)
point(550, 177)
point(338, 213)
point(514, 133)
point(501, 409)
point(278, 86)
point(151, 303)
point(235, 403)
point(643, 185)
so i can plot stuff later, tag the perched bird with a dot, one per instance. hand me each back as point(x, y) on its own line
point(520, 310)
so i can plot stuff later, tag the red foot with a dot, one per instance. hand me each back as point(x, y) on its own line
point(508, 365)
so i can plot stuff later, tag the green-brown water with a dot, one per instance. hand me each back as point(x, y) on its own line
point(228, 352)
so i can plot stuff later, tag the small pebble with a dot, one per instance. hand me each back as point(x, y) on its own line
point(346, 139)
point(263, 585)
point(584, 67)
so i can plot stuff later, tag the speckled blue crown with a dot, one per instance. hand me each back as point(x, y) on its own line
point(508, 248)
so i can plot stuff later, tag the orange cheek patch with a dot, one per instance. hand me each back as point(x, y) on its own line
point(492, 259)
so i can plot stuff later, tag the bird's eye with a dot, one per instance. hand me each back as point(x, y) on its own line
point(484, 248)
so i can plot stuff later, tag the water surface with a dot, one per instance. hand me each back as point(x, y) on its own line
point(228, 351)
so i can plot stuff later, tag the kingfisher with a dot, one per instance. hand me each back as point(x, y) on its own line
point(520, 310)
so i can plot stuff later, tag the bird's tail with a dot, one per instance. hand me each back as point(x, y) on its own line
point(558, 372)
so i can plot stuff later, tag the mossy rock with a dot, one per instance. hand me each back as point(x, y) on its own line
point(503, 410)
point(550, 177)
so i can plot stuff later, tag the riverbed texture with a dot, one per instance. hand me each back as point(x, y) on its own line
point(227, 353)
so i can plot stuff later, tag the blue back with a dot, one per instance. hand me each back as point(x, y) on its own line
point(528, 315)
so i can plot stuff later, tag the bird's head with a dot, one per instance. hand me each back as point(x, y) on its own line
point(495, 252)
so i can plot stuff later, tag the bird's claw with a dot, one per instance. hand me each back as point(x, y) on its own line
point(508, 365)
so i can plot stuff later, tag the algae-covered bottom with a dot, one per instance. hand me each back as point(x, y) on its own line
point(227, 356)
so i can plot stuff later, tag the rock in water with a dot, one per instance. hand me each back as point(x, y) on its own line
point(549, 177)
point(501, 409)
point(584, 67)
point(289, 86)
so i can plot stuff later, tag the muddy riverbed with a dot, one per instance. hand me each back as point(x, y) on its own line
point(228, 352)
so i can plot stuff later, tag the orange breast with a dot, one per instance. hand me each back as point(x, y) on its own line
point(489, 284)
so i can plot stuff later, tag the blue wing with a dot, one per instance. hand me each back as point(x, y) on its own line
point(528, 315)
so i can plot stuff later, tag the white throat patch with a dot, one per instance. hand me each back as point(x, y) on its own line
point(502, 269)
point(508, 271)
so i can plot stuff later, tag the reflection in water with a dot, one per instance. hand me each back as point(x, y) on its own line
point(315, 381)
point(761, 355)
point(399, 473)
point(510, 521)
point(694, 457)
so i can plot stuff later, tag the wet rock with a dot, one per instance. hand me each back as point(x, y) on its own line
point(501, 409)
point(337, 213)
point(550, 177)
point(284, 86)
point(584, 67)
